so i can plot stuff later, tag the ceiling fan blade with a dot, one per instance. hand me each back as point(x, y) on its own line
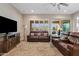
point(64, 4)
point(58, 6)
point(53, 4)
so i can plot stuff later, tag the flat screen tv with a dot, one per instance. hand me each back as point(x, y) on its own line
point(7, 25)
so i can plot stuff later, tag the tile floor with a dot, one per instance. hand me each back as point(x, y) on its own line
point(34, 49)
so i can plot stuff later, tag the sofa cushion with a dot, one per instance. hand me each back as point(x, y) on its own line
point(42, 34)
point(72, 39)
point(70, 46)
point(65, 41)
point(44, 37)
point(64, 45)
point(33, 36)
point(77, 40)
point(75, 37)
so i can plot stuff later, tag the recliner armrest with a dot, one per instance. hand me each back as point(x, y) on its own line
point(73, 50)
point(70, 47)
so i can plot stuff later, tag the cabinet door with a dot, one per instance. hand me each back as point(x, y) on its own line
point(1, 44)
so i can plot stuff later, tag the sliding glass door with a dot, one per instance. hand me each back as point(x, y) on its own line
point(66, 25)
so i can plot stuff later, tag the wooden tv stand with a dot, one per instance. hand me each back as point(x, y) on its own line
point(8, 42)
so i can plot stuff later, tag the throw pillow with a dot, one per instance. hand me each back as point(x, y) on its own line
point(39, 34)
point(32, 34)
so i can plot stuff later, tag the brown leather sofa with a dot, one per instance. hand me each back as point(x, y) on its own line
point(66, 47)
point(38, 36)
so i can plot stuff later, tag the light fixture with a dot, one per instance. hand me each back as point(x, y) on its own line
point(58, 5)
point(25, 26)
point(77, 18)
point(64, 10)
point(32, 11)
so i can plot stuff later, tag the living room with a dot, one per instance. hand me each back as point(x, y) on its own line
point(36, 23)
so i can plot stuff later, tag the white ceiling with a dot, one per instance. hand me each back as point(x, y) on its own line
point(45, 8)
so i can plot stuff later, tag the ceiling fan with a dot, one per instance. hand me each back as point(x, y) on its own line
point(59, 5)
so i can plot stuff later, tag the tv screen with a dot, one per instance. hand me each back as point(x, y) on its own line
point(7, 25)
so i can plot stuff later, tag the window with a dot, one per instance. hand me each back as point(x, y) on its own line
point(43, 25)
point(40, 26)
point(55, 25)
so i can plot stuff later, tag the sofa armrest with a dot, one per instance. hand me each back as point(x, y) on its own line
point(70, 47)
point(28, 36)
point(74, 50)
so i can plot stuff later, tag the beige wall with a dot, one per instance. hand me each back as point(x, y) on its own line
point(8, 11)
point(49, 17)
